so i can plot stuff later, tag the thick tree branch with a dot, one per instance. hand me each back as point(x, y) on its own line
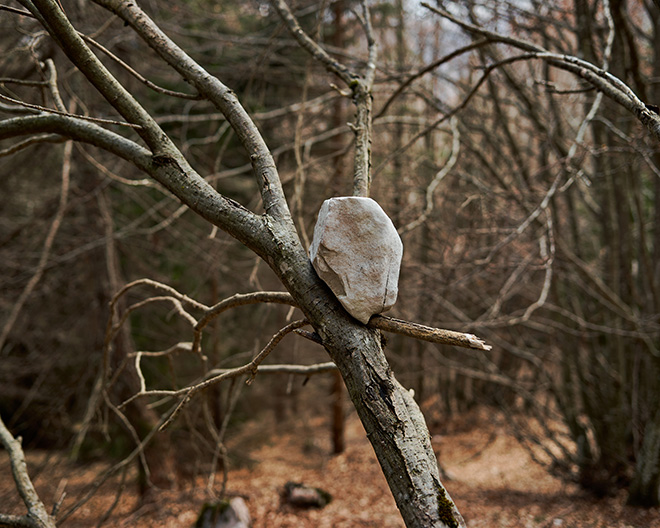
point(188, 186)
point(217, 93)
point(79, 130)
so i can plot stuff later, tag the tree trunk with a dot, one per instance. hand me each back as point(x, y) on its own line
point(338, 419)
point(645, 488)
point(392, 419)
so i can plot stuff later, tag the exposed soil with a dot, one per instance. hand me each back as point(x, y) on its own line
point(492, 479)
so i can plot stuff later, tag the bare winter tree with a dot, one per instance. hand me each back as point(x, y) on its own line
point(392, 419)
point(560, 149)
point(140, 138)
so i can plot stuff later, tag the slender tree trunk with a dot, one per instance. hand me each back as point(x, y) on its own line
point(338, 418)
point(645, 487)
point(159, 454)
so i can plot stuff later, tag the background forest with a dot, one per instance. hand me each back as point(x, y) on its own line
point(528, 205)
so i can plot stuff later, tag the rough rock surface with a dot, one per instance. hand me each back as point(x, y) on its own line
point(357, 252)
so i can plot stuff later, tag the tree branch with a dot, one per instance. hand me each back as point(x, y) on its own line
point(37, 516)
point(427, 333)
point(610, 85)
point(428, 68)
point(221, 96)
point(360, 85)
point(298, 370)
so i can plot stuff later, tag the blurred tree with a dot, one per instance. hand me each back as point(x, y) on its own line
point(562, 241)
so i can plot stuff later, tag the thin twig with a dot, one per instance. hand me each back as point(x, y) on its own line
point(48, 244)
point(301, 370)
point(138, 75)
point(66, 114)
point(440, 175)
point(32, 140)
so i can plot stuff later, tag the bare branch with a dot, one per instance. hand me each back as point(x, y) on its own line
point(360, 85)
point(310, 46)
point(426, 69)
point(78, 130)
point(52, 85)
point(302, 370)
point(422, 133)
point(232, 302)
point(37, 516)
point(250, 368)
point(427, 333)
point(67, 114)
point(138, 75)
point(48, 244)
point(440, 175)
point(34, 140)
point(608, 84)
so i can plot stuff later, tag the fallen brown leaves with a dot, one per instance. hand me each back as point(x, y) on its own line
point(492, 479)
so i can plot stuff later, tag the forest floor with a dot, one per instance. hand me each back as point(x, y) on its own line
point(491, 477)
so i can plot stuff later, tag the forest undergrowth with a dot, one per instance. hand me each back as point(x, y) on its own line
point(491, 477)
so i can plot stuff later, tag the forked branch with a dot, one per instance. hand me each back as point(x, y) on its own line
point(360, 84)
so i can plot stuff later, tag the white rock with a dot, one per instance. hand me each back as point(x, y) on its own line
point(357, 252)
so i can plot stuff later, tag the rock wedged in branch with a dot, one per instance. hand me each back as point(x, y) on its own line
point(357, 252)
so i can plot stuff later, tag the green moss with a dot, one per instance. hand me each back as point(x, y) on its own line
point(446, 508)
